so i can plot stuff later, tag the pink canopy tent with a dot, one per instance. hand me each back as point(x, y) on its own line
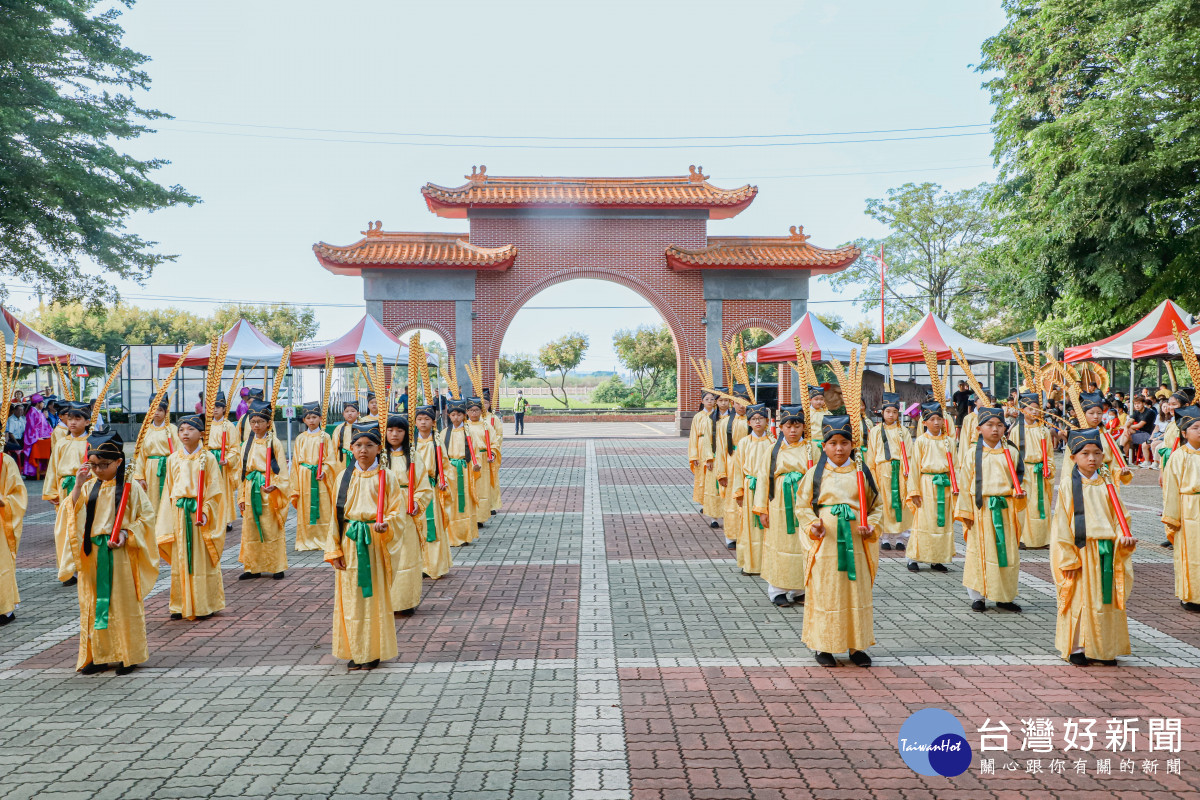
point(945, 341)
point(366, 335)
point(48, 349)
point(246, 344)
point(815, 335)
point(1156, 325)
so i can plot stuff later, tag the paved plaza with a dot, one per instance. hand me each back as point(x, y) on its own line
point(598, 641)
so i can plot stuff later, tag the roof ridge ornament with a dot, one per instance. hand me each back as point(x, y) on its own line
point(696, 174)
point(374, 229)
point(798, 234)
point(478, 174)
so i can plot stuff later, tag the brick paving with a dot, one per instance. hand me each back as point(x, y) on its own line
point(597, 642)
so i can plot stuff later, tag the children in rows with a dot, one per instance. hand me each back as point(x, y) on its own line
point(263, 502)
point(730, 433)
point(343, 433)
point(1093, 566)
point(13, 501)
point(312, 480)
point(989, 508)
point(751, 457)
point(435, 542)
point(929, 494)
point(1034, 446)
point(65, 459)
point(461, 478)
point(485, 448)
point(888, 448)
point(700, 446)
point(191, 538)
point(784, 541)
point(415, 495)
point(357, 545)
point(224, 444)
point(1181, 507)
point(843, 550)
point(118, 563)
point(162, 439)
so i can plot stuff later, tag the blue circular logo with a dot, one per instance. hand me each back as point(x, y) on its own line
point(932, 742)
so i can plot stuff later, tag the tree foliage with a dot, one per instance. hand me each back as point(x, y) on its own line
point(517, 368)
point(648, 351)
point(65, 190)
point(1097, 126)
point(562, 355)
point(284, 324)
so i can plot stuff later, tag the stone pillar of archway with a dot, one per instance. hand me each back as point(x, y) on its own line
point(437, 299)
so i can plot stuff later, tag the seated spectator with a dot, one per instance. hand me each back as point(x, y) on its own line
point(1137, 432)
point(1162, 420)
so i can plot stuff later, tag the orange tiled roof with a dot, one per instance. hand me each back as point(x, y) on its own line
point(762, 252)
point(692, 191)
point(379, 248)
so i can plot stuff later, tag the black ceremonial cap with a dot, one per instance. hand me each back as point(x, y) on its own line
point(254, 394)
point(813, 391)
point(791, 414)
point(837, 425)
point(350, 404)
point(475, 402)
point(757, 410)
point(397, 421)
point(310, 408)
point(987, 413)
point(457, 405)
point(369, 430)
point(1078, 438)
point(1029, 399)
point(426, 411)
point(931, 410)
point(194, 420)
point(260, 408)
point(1090, 400)
point(891, 400)
point(220, 400)
point(108, 444)
point(1186, 417)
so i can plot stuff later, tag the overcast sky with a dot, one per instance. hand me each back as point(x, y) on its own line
point(555, 69)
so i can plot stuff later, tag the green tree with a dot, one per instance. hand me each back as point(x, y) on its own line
point(282, 323)
point(517, 367)
point(832, 321)
point(933, 253)
point(649, 352)
point(65, 191)
point(1097, 126)
point(561, 355)
point(612, 391)
point(107, 329)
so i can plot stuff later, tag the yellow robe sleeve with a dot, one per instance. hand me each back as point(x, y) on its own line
point(964, 507)
point(143, 554)
point(694, 443)
point(52, 484)
point(805, 517)
point(760, 503)
point(736, 470)
point(164, 525)
point(16, 501)
point(423, 494)
point(1172, 516)
point(1065, 558)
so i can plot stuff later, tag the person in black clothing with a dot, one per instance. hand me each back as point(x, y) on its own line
point(962, 403)
point(1138, 428)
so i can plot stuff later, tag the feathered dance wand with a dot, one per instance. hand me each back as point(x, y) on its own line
point(280, 372)
point(939, 391)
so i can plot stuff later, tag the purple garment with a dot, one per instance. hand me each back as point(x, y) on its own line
point(36, 427)
point(242, 409)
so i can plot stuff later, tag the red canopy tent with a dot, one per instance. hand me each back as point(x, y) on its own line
point(366, 335)
point(1155, 325)
point(246, 344)
point(944, 341)
point(48, 349)
point(1165, 346)
point(816, 336)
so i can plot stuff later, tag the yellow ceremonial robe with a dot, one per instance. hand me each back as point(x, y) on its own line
point(1110, 461)
point(497, 434)
point(1181, 518)
point(405, 544)
point(784, 541)
point(134, 571)
point(887, 465)
point(264, 545)
point(60, 432)
point(435, 541)
point(700, 452)
point(65, 459)
point(1103, 629)
point(461, 494)
point(930, 542)
point(363, 626)
point(197, 588)
point(1169, 443)
point(341, 443)
point(12, 519)
point(713, 504)
point(1038, 482)
point(982, 571)
point(228, 468)
point(151, 464)
point(308, 470)
point(748, 460)
point(732, 430)
point(484, 480)
point(839, 613)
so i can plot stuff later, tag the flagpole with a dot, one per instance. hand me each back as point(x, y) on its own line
point(882, 284)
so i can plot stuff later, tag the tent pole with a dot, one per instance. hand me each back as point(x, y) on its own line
point(1131, 371)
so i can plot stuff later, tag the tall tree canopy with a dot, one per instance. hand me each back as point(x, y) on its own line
point(65, 190)
point(649, 352)
point(561, 355)
point(282, 323)
point(1097, 127)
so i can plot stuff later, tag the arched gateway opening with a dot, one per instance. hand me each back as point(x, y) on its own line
point(529, 233)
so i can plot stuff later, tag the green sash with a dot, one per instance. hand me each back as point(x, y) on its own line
point(68, 484)
point(790, 486)
point(256, 500)
point(104, 579)
point(346, 454)
point(896, 507)
point(217, 455)
point(997, 506)
point(751, 486)
point(845, 538)
point(430, 514)
point(941, 480)
point(314, 494)
point(359, 532)
point(188, 504)
point(1038, 471)
point(162, 471)
point(1165, 454)
point(1105, 546)
point(459, 465)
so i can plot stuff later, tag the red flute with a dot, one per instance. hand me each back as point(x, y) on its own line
point(904, 456)
point(267, 456)
point(441, 476)
point(487, 441)
point(1113, 446)
point(953, 474)
point(200, 497)
point(1012, 473)
point(170, 444)
point(412, 488)
point(115, 537)
point(1045, 458)
point(321, 461)
point(382, 495)
point(862, 495)
point(470, 447)
point(1116, 507)
point(224, 437)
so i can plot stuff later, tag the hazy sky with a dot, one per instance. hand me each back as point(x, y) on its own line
point(350, 72)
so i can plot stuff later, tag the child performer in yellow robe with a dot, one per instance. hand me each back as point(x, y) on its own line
point(733, 429)
point(968, 432)
point(435, 541)
point(65, 460)
point(372, 415)
point(405, 544)
point(713, 505)
point(224, 444)
point(888, 448)
point(264, 508)
point(1092, 404)
point(461, 477)
point(114, 577)
point(311, 481)
point(750, 458)
point(990, 511)
point(842, 555)
point(1094, 561)
point(1171, 438)
point(1181, 507)
point(1027, 436)
point(484, 445)
point(13, 501)
point(150, 469)
point(784, 541)
point(700, 446)
point(496, 432)
point(929, 494)
point(342, 433)
point(191, 539)
point(357, 545)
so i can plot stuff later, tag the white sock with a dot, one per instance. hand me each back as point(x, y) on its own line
point(974, 595)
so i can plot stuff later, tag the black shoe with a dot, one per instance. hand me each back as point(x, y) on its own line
point(1022, 546)
point(901, 546)
point(204, 617)
point(478, 524)
point(1167, 545)
point(493, 512)
point(939, 568)
point(7, 618)
point(798, 600)
point(781, 601)
point(228, 527)
point(1108, 662)
point(71, 581)
point(979, 605)
point(177, 616)
point(351, 666)
point(408, 612)
point(1009, 607)
point(860, 658)
point(92, 669)
point(372, 664)
point(731, 545)
point(125, 669)
point(826, 660)
point(714, 524)
point(278, 576)
point(1193, 607)
point(1079, 659)
point(247, 576)
point(885, 546)
point(914, 566)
